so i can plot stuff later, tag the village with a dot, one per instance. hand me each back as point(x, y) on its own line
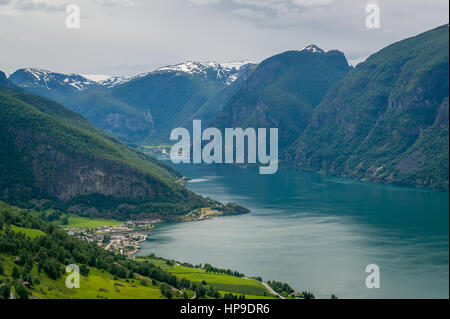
point(124, 239)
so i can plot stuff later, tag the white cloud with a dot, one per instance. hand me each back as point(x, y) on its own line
point(38, 4)
point(261, 9)
point(154, 33)
point(270, 4)
point(203, 2)
point(13, 7)
point(124, 3)
point(311, 3)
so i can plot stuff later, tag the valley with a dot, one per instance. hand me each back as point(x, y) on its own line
point(373, 122)
point(84, 178)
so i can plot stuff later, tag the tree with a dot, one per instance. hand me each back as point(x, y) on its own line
point(2, 269)
point(5, 291)
point(84, 270)
point(169, 263)
point(201, 291)
point(15, 273)
point(185, 283)
point(65, 221)
point(308, 295)
point(21, 291)
point(25, 259)
point(166, 290)
point(26, 276)
point(52, 267)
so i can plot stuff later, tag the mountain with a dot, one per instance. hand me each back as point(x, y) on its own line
point(214, 105)
point(283, 91)
point(226, 73)
point(39, 81)
point(5, 82)
point(143, 108)
point(169, 96)
point(51, 157)
point(387, 121)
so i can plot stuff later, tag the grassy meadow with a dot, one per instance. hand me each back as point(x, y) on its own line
point(252, 289)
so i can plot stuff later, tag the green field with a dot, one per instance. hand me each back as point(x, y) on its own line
point(98, 285)
point(102, 285)
point(221, 282)
point(252, 289)
point(84, 222)
point(156, 261)
point(76, 221)
point(32, 233)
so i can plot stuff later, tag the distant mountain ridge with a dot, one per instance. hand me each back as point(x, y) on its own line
point(34, 77)
point(226, 72)
point(385, 120)
point(141, 109)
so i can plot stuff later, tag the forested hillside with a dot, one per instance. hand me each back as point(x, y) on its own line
point(387, 121)
point(283, 91)
point(34, 255)
point(52, 157)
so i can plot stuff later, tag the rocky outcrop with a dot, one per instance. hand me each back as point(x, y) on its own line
point(67, 177)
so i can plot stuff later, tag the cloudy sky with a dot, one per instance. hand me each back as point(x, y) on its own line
point(126, 37)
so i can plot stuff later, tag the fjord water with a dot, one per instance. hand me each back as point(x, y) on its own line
point(317, 233)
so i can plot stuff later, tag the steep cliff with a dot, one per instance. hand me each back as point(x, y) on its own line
point(387, 121)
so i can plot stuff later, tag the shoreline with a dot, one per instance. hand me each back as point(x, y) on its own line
point(203, 217)
point(127, 237)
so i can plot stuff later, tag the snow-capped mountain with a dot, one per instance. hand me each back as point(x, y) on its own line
point(312, 48)
point(112, 81)
point(225, 72)
point(143, 106)
point(39, 78)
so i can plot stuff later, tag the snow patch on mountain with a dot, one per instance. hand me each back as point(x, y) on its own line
point(98, 78)
point(228, 72)
point(110, 81)
point(34, 77)
point(50, 80)
point(312, 48)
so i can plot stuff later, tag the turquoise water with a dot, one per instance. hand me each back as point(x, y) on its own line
point(317, 233)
